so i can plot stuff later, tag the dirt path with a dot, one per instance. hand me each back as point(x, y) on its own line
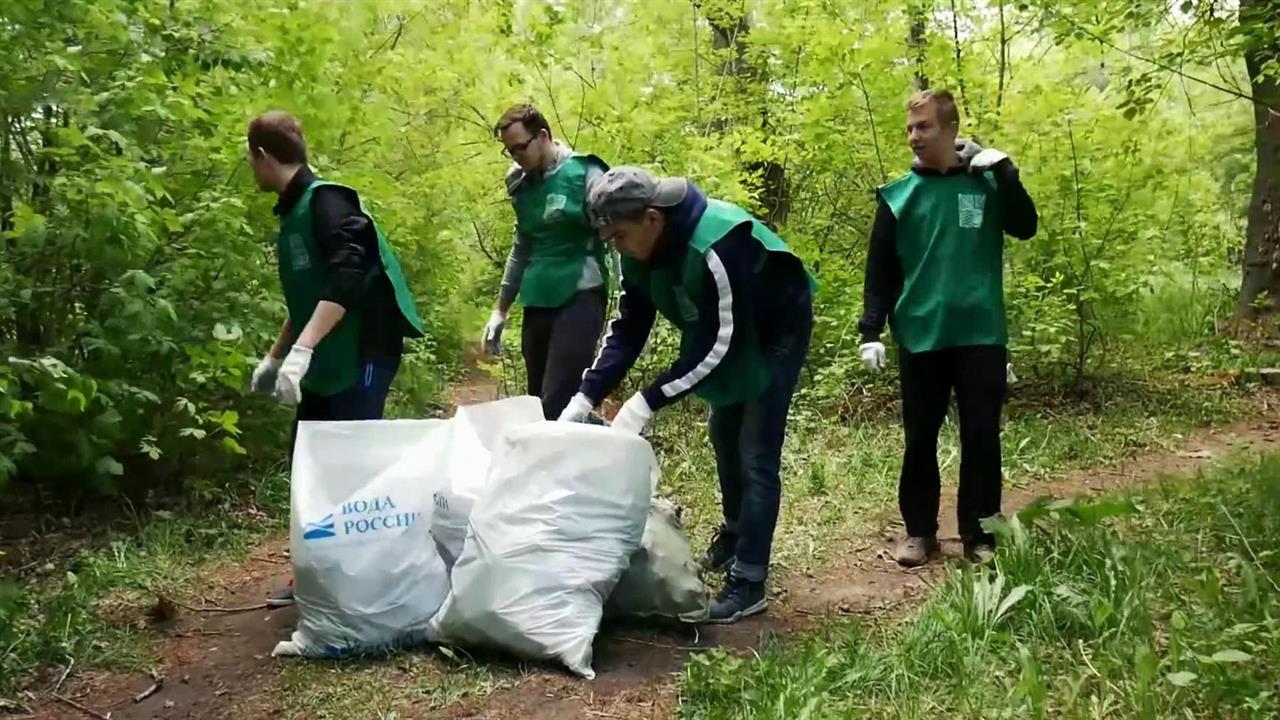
point(219, 666)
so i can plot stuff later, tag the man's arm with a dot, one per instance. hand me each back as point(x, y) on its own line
point(517, 261)
point(283, 341)
point(883, 282)
point(628, 333)
point(724, 306)
point(1020, 218)
point(346, 240)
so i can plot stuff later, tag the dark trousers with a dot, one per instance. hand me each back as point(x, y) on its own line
point(747, 439)
point(558, 345)
point(365, 400)
point(977, 374)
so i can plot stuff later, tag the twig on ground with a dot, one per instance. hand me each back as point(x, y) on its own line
point(13, 706)
point(597, 713)
point(664, 646)
point(217, 609)
point(157, 682)
point(65, 673)
point(87, 711)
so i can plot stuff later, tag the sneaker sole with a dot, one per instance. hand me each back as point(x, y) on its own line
point(280, 603)
point(741, 614)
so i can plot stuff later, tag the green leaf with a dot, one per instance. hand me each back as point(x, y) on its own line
point(1230, 656)
point(232, 446)
point(1181, 679)
point(108, 465)
point(227, 334)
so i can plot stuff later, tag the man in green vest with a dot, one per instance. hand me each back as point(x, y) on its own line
point(743, 304)
point(349, 307)
point(935, 271)
point(557, 263)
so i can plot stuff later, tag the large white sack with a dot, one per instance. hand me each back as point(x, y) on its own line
point(562, 512)
point(366, 571)
point(662, 580)
point(475, 434)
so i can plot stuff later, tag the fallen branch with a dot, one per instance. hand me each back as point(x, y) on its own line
point(87, 711)
point(217, 609)
point(157, 682)
point(65, 673)
point(13, 706)
point(664, 646)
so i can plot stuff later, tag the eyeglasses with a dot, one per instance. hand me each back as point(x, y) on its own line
point(518, 149)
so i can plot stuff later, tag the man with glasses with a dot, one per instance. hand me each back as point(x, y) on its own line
point(557, 263)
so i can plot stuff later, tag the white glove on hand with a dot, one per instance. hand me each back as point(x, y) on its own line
point(289, 378)
point(873, 356)
point(264, 376)
point(1009, 377)
point(634, 415)
point(986, 160)
point(492, 338)
point(577, 410)
point(967, 150)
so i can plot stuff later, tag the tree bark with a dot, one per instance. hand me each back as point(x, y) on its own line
point(917, 40)
point(730, 31)
point(1260, 284)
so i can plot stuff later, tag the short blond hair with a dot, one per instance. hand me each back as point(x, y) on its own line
point(943, 99)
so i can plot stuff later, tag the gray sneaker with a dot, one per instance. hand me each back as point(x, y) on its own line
point(979, 553)
point(916, 551)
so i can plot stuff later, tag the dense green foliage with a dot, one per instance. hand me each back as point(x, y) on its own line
point(1160, 605)
point(136, 264)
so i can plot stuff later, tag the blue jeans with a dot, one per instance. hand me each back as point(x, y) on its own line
point(747, 438)
point(365, 400)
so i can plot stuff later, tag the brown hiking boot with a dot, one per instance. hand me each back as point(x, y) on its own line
point(916, 551)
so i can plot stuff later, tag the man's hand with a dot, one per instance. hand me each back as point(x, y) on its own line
point(577, 410)
point(1009, 377)
point(634, 415)
point(492, 338)
point(873, 356)
point(264, 376)
point(967, 150)
point(288, 389)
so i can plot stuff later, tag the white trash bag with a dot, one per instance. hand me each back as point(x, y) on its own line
point(662, 580)
point(562, 512)
point(475, 433)
point(367, 576)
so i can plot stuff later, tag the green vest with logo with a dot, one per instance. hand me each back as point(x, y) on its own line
point(335, 363)
point(551, 217)
point(951, 246)
point(742, 374)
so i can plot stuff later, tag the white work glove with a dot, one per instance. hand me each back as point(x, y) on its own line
point(492, 338)
point(986, 160)
point(264, 376)
point(967, 150)
point(873, 356)
point(1009, 377)
point(577, 410)
point(634, 415)
point(289, 378)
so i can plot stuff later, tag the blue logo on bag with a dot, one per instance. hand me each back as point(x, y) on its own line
point(359, 517)
point(321, 529)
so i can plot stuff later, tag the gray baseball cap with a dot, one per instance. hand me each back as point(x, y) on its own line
point(624, 191)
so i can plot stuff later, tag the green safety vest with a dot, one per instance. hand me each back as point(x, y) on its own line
point(951, 245)
point(742, 374)
point(335, 362)
point(550, 216)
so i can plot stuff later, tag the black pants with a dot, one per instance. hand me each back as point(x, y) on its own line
point(558, 345)
point(363, 401)
point(977, 374)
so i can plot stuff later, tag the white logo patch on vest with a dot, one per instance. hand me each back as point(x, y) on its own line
point(555, 206)
point(971, 207)
point(298, 257)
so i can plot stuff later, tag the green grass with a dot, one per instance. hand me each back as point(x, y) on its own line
point(1163, 604)
point(95, 609)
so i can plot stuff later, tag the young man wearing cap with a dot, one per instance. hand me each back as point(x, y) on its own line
point(557, 262)
point(349, 307)
point(744, 306)
point(935, 271)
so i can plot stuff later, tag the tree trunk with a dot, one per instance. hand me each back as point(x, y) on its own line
point(730, 31)
point(1260, 284)
point(917, 40)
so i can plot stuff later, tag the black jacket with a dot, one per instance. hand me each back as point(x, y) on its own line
point(346, 239)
